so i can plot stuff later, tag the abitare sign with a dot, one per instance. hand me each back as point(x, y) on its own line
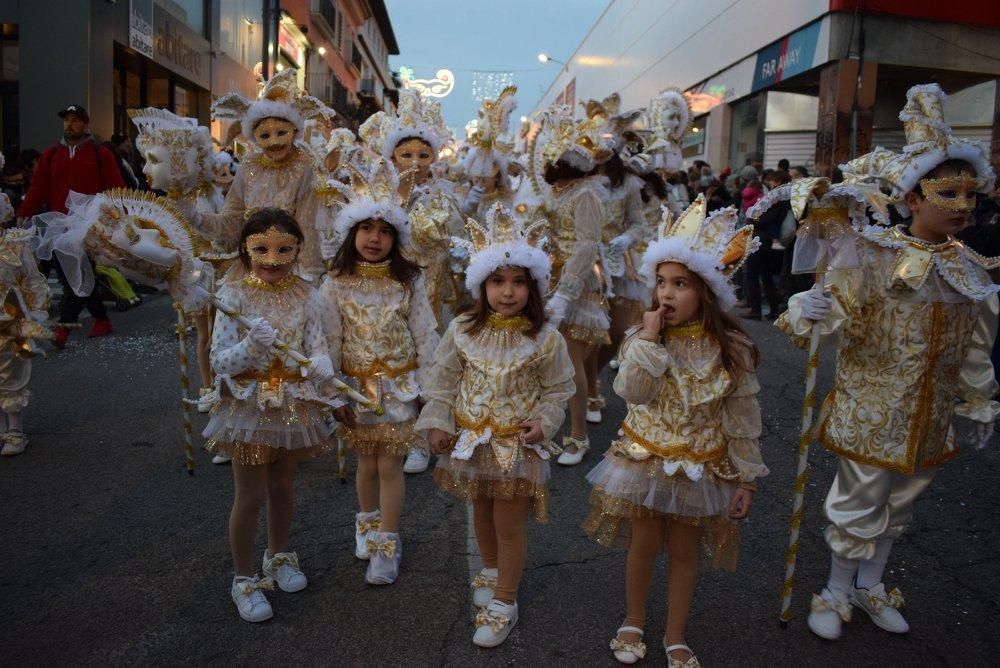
point(787, 57)
point(140, 26)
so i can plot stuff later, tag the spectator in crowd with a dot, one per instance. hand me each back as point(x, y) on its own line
point(764, 266)
point(77, 163)
point(128, 176)
point(752, 191)
point(784, 165)
point(798, 172)
point(17, 175)
point(131, 157)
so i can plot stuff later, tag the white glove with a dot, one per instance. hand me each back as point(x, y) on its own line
point(982, 433)
point(639, 163)
point(474, 197)
point(41, 317)
point(319, 369)
point(459, 252)
point(261, 335)
point(815, 305)
point(620, 243)
point(557, 309)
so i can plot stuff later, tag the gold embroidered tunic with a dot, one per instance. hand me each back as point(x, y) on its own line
point(916, 323)
point(24, 297)
point(482, 388)
point(259, 183)
point(381, 336)
point(433, 218)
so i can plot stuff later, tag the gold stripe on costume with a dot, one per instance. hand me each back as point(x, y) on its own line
point(379, 368)
point(674, 449)
point(498, 430)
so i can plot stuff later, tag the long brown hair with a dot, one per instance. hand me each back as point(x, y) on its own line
point(475, 316)
point(735, 345)
point(402, 268)
point(261, 221)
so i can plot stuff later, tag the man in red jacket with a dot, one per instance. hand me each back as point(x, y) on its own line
point(77, 163)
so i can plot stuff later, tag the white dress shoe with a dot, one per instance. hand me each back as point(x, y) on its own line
point(14, 443)
point(205, 400)
point(628, 652)
point(827, 613)
point(416, 462)
point(594, 407)
point(568, 458)
point(221, 459)
point(386, 551)
point(250, 600)
point(494, 622)
point(284, 568)
point(483, 587)
point(883, 608)
point(691, 662)
point(364, 525)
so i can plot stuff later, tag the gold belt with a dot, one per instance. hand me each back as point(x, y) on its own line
point(285, 375)
point(671, 449)
point(380, 368)
point(498, 430)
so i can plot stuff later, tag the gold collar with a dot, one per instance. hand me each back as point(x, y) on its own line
point(372, 269)
point(252, 280)
point(517, 322)
point(692, 330)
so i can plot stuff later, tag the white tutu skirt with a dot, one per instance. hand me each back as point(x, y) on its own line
point(625, 489)
point(587, 319)
point(251, 437)
point(481, 476)
point(632, 290)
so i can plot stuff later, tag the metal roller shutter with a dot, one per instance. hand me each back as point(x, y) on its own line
point(798, 147)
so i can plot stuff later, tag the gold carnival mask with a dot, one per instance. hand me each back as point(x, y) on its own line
point(272, 248)
point(951, 193)
point(275, 136)
point(413, 153)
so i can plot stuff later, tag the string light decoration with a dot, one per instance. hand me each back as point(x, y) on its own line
point(487, 84)
point(440, 86)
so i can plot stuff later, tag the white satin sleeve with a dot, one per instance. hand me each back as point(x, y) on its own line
point(588, 220)
point(442, 387)
point(640, 374)
point(423, 329)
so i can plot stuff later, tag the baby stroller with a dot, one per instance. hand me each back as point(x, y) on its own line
point(112, 287)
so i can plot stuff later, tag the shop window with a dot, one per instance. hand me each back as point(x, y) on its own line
point(791, 111)
point(746, 137)
point(133, 90)
point(190, 12)
point(158, 93)
point(183, 101)
point(694, 141)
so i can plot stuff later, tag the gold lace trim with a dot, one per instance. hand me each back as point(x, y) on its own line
point(257, 454)
point(498, 430)
point(690, 330)
point(252, 280)
point(517, 322)
point(392, 439)
point(379, 368)
point(372, 269)
point(469, 489)
point(589, 335)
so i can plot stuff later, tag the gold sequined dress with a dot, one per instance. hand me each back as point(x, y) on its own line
point(482, 387)
point(381, 336)
point(688, 440)
point(260, 182)
point(577, 217)
point(265, 409)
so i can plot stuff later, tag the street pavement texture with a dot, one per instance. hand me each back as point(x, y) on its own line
point(115, 556)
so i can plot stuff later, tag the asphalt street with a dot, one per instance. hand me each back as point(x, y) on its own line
point(113, 555)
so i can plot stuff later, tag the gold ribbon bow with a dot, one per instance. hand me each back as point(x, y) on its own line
point(481, 581)
point(894, 599)
point(364, 526)
point(248, 587)
point(637, 648)
point(386, 547)
point(495, 621)
point(280, 560)
point(820, 604)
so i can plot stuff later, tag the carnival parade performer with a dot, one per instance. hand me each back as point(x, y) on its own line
point(411, 138)
point(684, 469)
point(269, 415)
point(496, 398)
point(277, 173)
point(24, 317)
point(916, 314)
point(381, 335)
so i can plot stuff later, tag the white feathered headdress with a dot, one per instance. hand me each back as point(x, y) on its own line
point(415, 116)
point(489, 148)
point(711, 246)
point(505, 242)
point(381, 194)
point(279, 98)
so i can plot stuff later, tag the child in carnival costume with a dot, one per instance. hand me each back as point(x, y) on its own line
point(25, 298)
point(915, 311)
point(278, 172)
point(412, 137)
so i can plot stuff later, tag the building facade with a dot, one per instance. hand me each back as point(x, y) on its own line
point(813, 81)
point(110, 56)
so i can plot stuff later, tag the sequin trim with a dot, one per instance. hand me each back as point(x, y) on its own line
point(252, 280)
point(257, 454)
point(372, 269)
point(393, 439)
point(469, 489)
point(589, 335)
point(517, 322)
point(688, 330)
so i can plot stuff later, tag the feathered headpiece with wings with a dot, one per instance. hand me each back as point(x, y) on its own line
point(489, 147)
point(279, 98)
point(381, 194)
point(505, 242)
point(415, 116)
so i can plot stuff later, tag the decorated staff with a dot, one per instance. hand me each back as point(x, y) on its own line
point(825, 218)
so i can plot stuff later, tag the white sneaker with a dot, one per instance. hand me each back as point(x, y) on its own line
point(386, 551)
point(14, 443)
point(364, 525)
point(250, 600)
point(594, 406)
point(483, 586)
point(221, 459)
point(417, 461)
point(494, 622)
point(568, 458)
point(827, 613)
point(883, 608)
point(205, 400)
point(284, 568)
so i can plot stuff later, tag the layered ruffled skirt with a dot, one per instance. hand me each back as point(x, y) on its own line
point(625, 489)
point(296, 429)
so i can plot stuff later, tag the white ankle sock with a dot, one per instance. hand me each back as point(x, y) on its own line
point(870, 570)
point(841, 575)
